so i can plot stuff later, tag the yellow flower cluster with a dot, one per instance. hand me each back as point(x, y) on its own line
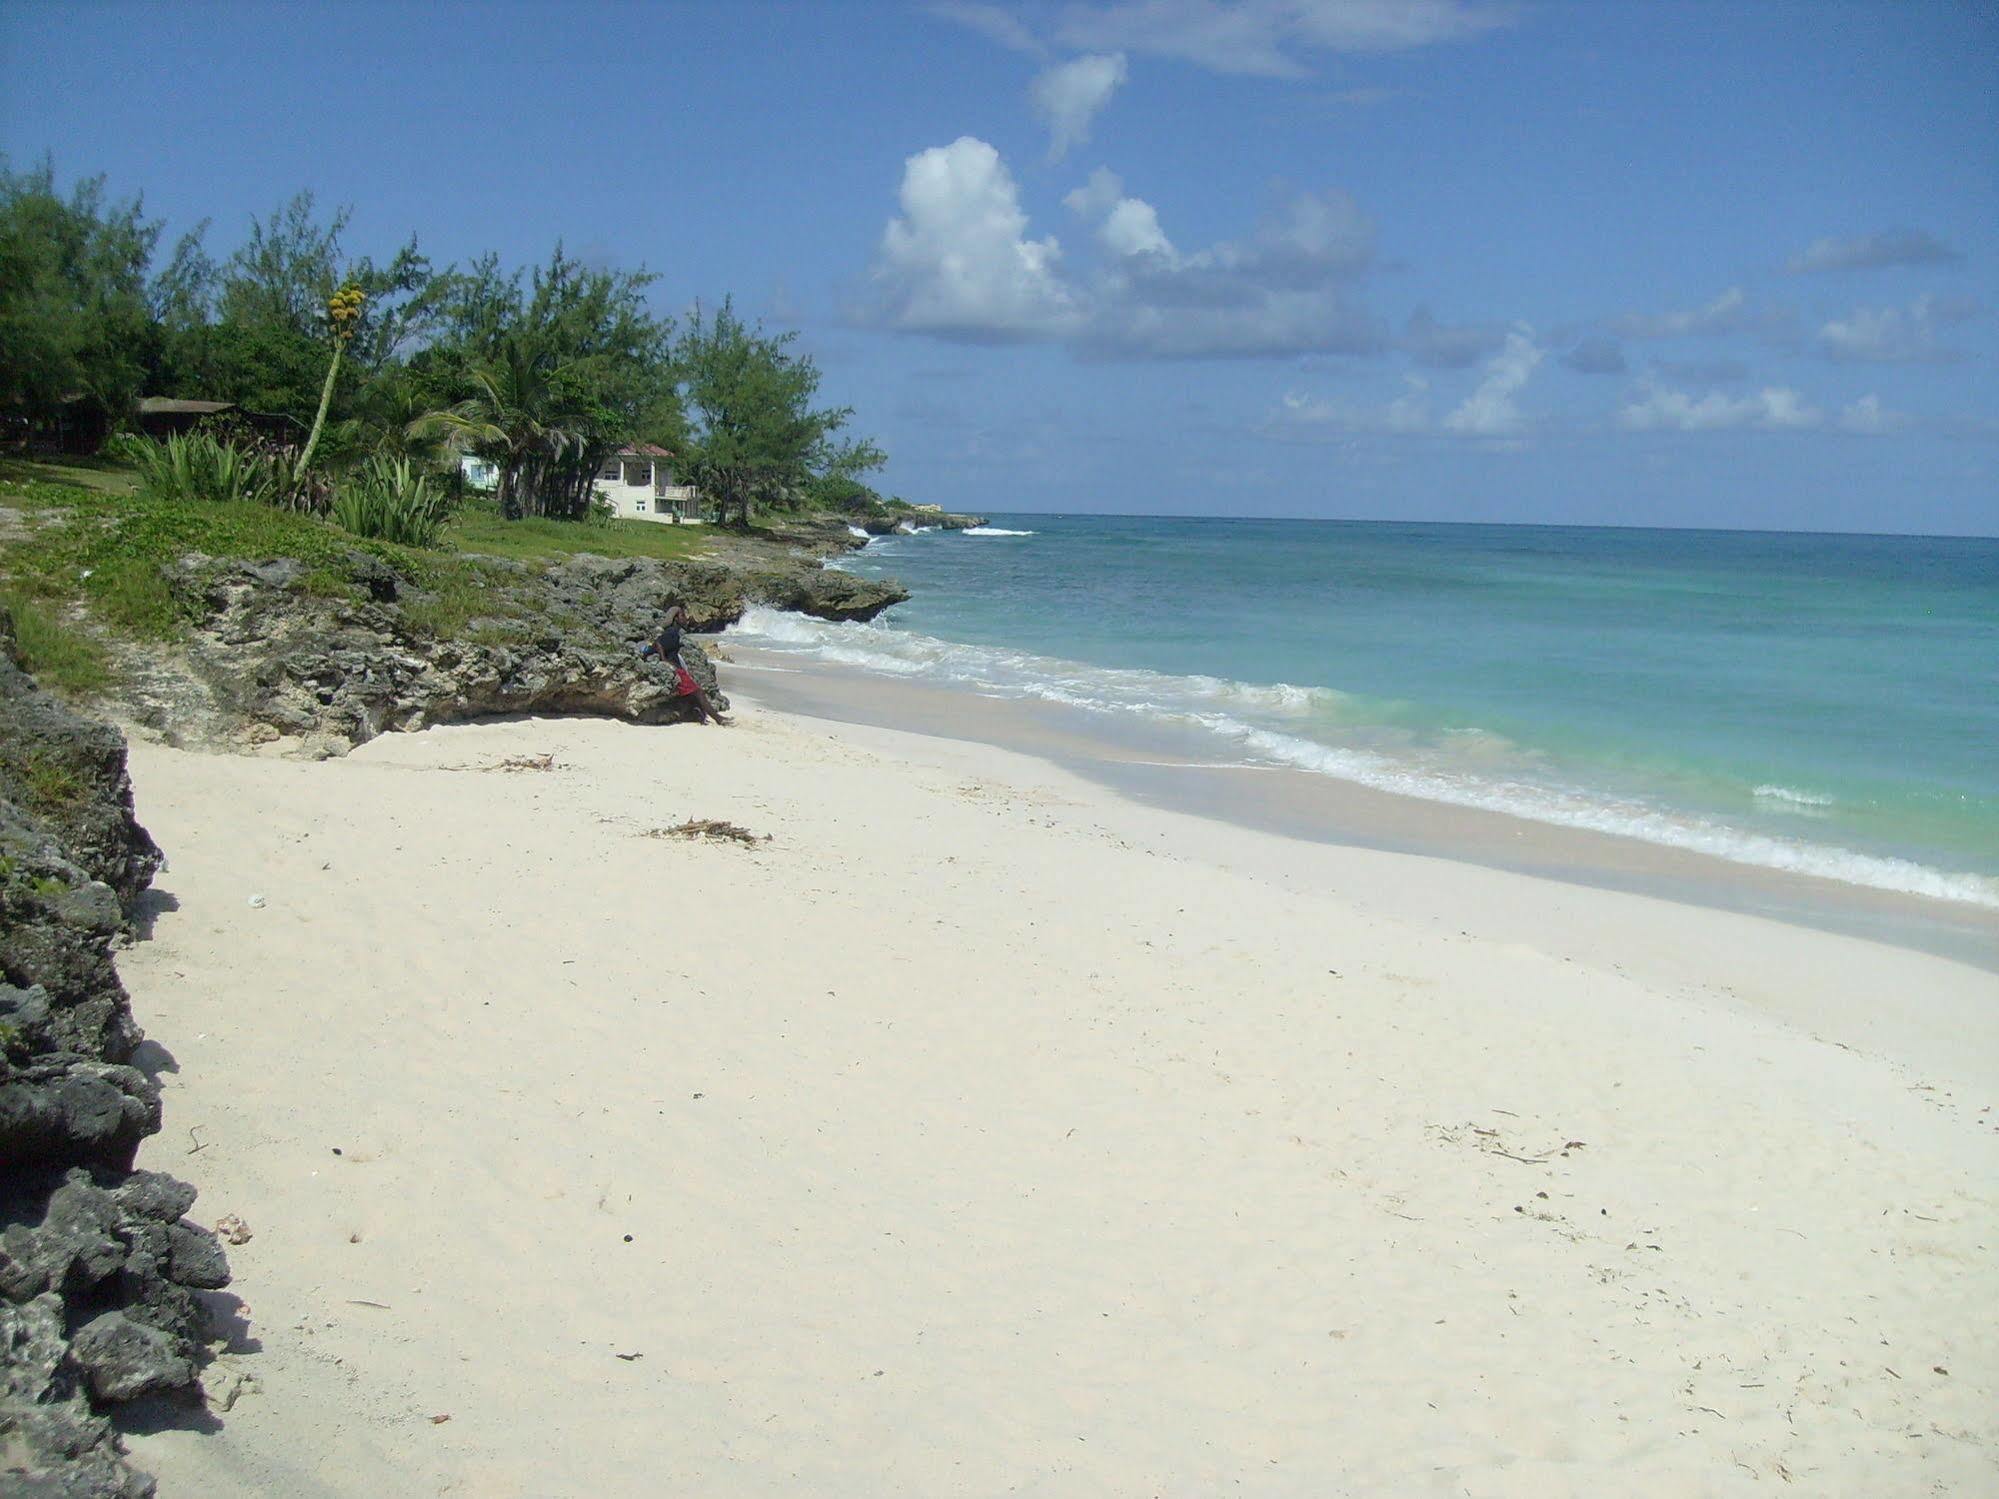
point(343, 311)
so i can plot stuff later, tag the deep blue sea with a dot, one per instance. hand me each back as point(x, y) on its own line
point(1825, 704)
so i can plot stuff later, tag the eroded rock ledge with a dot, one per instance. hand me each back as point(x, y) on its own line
point(99, 1266)
point(273, 653)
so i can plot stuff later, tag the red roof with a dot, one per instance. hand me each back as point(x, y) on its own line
point(644, 450)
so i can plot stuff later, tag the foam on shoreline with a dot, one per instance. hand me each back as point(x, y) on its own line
point(1272, 723)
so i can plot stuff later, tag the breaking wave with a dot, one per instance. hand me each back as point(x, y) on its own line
point(1278, 724)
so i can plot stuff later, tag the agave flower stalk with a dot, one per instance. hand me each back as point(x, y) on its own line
point(343, 311)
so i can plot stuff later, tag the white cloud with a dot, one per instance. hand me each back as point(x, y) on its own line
point(1068, 96)
point(1895, 335)
point(1125, 226)
point(992, 22)
point(1728, 313)
point(1873, 251)
point(1775, 408)
point(1263, 37)
point(1283, 290)
point(1489, 410)
point(1316, 418)
point(1868, 417)
point(958, 262)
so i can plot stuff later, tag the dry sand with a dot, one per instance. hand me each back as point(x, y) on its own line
point(982, 1133)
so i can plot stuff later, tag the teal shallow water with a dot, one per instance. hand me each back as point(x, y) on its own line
point(1822, 703)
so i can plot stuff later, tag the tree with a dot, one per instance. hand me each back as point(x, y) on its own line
point(755, 435)
point(557, 376)
point(514, 416)
point(255, 329)
point(74, 317)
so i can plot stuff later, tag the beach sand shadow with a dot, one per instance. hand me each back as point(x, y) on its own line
point(229, 1322)
point(153, 1059)
point(147, 910)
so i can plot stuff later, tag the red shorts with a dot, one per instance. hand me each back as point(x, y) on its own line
point(684, 684)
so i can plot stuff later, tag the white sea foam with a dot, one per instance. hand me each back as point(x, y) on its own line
point(857, 531)
point(1786, 798)
point(1266, 721)
point(991, 531)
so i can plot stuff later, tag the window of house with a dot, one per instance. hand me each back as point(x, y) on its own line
point(639, 505)
point(638, 471)
point(609, 470)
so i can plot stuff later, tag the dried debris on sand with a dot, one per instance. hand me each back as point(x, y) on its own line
point(525, 762)
point(711, 828)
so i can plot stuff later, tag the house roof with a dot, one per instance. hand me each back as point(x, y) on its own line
point(645, 450)
point(168, 406)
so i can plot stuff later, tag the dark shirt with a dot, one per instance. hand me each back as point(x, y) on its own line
point(669, 642)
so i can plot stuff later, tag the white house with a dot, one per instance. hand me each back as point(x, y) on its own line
point(639, 486)
point(480, 473)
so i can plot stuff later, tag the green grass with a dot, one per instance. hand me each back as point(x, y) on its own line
point(479, 527)
point(50, 784)
point(56, 652)
point(86, 536)
point(108, 475)
point(456, 595)
point(108, 551)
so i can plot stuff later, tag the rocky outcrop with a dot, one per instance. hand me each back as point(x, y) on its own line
point(889, 522)
point(274, 654)
point(99, 1268)
point(824, 592)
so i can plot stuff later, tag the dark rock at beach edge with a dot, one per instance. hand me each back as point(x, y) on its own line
point(100, 1270)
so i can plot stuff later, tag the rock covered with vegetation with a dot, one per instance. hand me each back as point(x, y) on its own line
point(276, 650)
point(233, 622)
point(99, 1267)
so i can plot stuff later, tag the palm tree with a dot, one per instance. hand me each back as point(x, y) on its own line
point(515, 416)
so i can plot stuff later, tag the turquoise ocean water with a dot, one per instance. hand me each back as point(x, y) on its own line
point(1826, 704)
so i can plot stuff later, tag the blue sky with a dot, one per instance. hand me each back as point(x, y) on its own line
point(1662, 264)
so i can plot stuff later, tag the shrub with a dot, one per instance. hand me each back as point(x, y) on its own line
point(391, 501)
point(199, 468)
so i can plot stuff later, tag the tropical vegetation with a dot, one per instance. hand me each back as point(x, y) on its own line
point(381, 374)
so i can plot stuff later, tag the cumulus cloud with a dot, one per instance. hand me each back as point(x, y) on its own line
point(1282, 290)
point(1489, 410)
point(1266, 37)
point(1868, 417)
point(1068, 96)
point(958, 263)
point(1731, 312)
point(1124, 226)
point(1872, 251)
point(1596, 354)
point(1317, 418)
point(1775, 408)
point(992, 22)
point(1897, 335)
point(1448, 346)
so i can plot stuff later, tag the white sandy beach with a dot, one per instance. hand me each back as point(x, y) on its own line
point(982, 1133)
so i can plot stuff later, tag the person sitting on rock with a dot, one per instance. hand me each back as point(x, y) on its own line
point(666, 646)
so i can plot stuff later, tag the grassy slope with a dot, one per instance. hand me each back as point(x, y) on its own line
point(86, 543)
